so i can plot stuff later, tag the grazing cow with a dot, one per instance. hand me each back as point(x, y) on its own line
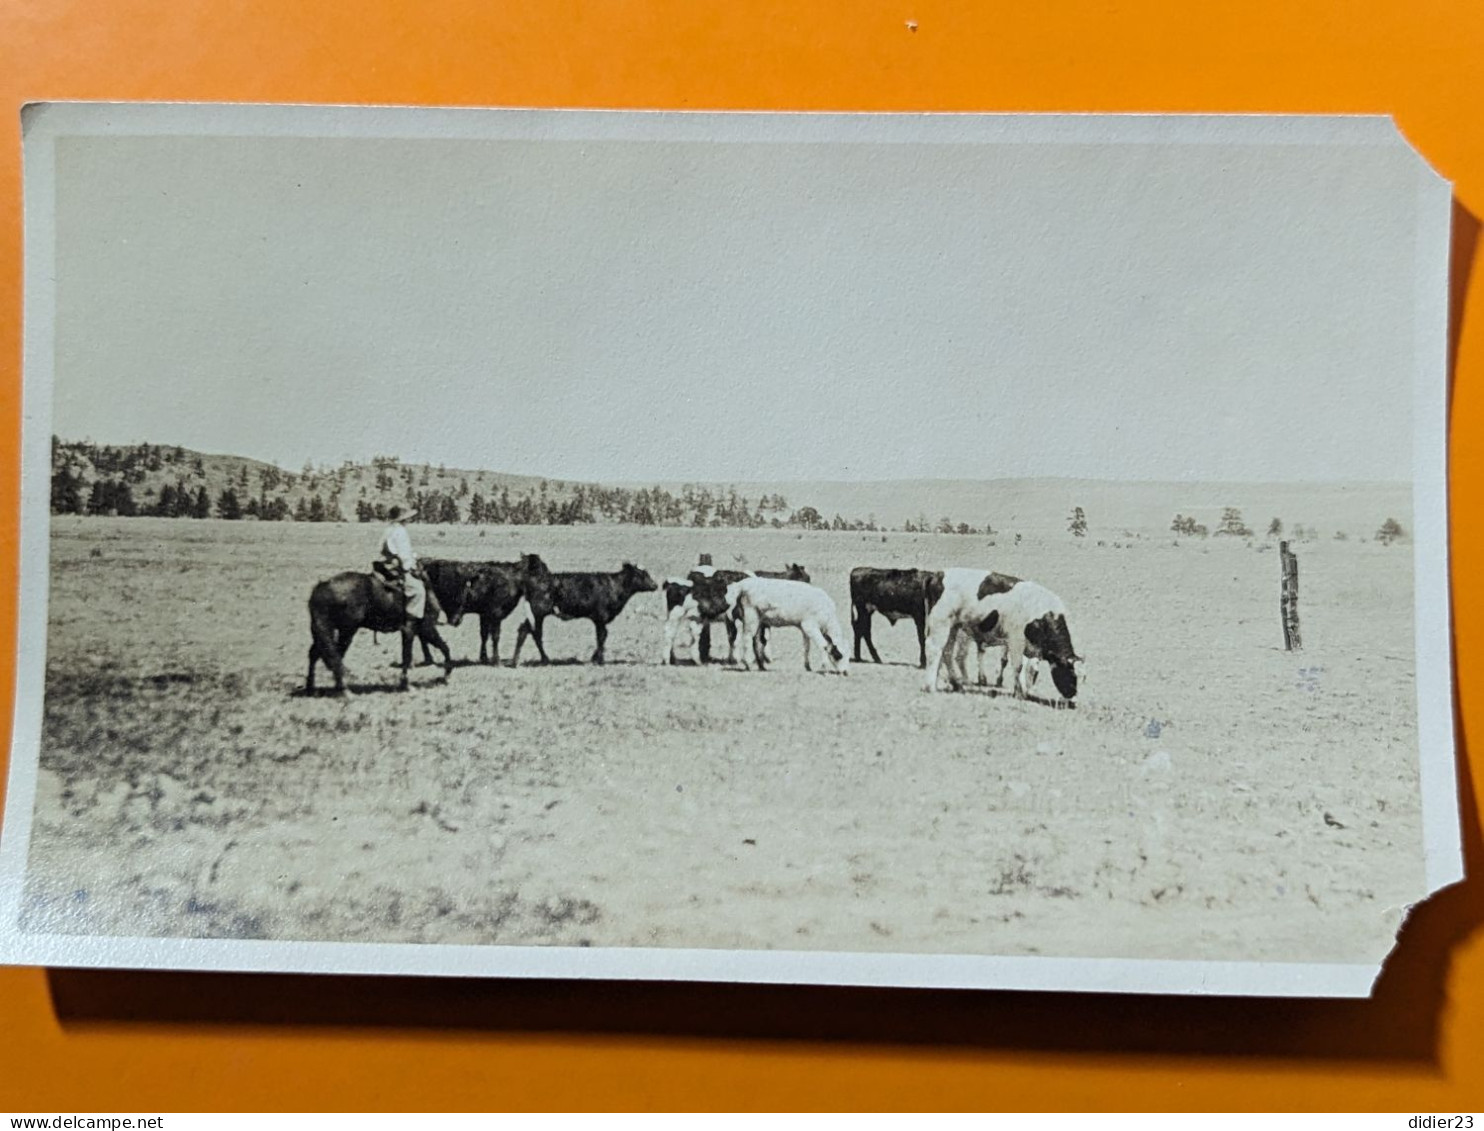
point(769, 602)
point(993, 609)
point(895, 594)
point(679, 610)
point(494, 589)
point(598, 597)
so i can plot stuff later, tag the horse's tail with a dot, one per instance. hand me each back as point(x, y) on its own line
point(323, 630)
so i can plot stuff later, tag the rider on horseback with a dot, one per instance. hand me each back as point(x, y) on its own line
point(398, 565)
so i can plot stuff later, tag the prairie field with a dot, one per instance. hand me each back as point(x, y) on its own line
point(1210, 797)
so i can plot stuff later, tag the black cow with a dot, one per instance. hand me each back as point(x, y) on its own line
point(895, 594)
point(598, 597)
point(714, 609)
point(493, 591)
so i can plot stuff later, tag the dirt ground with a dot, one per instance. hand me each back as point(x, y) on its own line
point(1211, 797)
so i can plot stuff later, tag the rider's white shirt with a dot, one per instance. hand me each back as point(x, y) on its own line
point(396, 546)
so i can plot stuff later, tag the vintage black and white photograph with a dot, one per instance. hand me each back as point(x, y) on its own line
point(906, 549)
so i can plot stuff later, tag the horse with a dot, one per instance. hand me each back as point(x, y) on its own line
point(348, 602)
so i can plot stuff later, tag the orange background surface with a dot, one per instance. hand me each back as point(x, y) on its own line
point(103, 1041)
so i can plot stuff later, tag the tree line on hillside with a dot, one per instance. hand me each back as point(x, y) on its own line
point(159, 481)
point(171, 482)
point(1233, 526)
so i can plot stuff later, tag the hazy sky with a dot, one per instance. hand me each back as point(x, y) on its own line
point(626, 310)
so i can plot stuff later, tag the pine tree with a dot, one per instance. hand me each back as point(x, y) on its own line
point(808, 518)
point(202, 507)
point(66, 492)
point(1391, 531)
point(1232, 525)
point(301, 511)
point(126, 504)
point(1077, 523)
point(1275, 528)
point(98, 500)
point(228, 506)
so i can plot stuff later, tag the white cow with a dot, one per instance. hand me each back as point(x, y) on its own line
point(989, 609)
point(769, 602)
point(698, 600)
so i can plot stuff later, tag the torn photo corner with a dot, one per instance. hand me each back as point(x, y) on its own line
point(907, 550)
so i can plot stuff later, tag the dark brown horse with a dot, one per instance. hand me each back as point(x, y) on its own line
point(349, 602)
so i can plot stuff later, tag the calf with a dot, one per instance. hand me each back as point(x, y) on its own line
point(494, 590)
point(895, 594)
point(993, 609)
point(679, 610)
point(767, 602)
point(598, 597)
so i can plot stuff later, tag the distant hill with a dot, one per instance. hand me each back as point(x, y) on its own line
point(162, 479)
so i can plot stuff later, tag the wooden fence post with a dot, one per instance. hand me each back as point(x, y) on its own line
point(1288, 603)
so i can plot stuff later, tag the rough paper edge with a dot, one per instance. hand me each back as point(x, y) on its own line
point(43, 122)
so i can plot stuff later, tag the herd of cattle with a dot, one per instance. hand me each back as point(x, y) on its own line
point(953, 610)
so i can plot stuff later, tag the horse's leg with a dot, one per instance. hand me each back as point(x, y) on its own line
point(321, 647)
point(430, 633)
point(342, 645)
point(602, 634)
point(921, 622)
point(407, 634)
point(537, 634)
point(484, 635)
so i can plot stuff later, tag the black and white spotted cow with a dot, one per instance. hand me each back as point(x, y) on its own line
point(982, 608)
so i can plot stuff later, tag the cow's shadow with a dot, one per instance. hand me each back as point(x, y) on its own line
point(577, 662)
point(993, 691)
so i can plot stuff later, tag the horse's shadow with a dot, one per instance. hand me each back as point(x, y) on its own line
point(357, 689)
